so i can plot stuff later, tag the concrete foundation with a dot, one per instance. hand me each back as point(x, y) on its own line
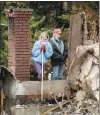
point(27, 88)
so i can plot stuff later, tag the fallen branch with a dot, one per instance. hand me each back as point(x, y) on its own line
point(54, 108)
point(59, 104)
point(70, 101)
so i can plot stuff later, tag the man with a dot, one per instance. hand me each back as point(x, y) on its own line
point(60, 53)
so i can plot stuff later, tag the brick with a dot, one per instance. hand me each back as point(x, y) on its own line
point(20, 64)
point(27, 35)
point(25, 59)
point(18, 35)
point(26, 30)
point(22, 70)
point(20, 43)
point(26, 13)
point(23, 78)
point(22, 50)
point(28, 49)
point(22, 67)
point(21, 27)
point(26, 63)
point(30, 13)
point(18, 29)
point(19, 39)
point(27, 70)
point(18, 53)
point(25, 24)
point(18, 24)
point(21, 73)
point(22, 32)
point(24, 41)
point(26, 38)
point(17, 19)
point(23, 56)
point(26, 18)
point(24, 21)
point(26, 52)
point(17, 59)
point(22, 47)
point(20, 15)
point(23, 62)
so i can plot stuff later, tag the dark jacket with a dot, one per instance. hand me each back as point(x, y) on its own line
point(58, 58)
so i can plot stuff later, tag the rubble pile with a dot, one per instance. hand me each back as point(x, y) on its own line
point(84, 71)
point(86, 107)
point(83, 78)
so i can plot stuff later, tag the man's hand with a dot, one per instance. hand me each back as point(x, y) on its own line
point(43, 48)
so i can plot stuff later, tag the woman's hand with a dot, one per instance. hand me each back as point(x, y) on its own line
point(43, 48)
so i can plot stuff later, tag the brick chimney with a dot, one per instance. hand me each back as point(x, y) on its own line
point(19, 43)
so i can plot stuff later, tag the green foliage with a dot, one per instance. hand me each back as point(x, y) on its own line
point(65, 17)
point(4, 54)
point(36, 24)
point(3, 20)
point(43, 8)
point(4, 41)
point(15, 4)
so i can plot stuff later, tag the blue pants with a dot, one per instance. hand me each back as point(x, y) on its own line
point(58, 72)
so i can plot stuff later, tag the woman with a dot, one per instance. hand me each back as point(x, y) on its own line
point(41, 45)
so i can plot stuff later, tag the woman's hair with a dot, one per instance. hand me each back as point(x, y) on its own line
point(44, 34)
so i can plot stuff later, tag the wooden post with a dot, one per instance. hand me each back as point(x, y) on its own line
point(1, 98)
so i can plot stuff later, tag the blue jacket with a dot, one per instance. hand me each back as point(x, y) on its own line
point(37, 53)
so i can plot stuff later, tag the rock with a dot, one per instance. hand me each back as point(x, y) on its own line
point(80, 95)
point(93, 110)
point(88, 42)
